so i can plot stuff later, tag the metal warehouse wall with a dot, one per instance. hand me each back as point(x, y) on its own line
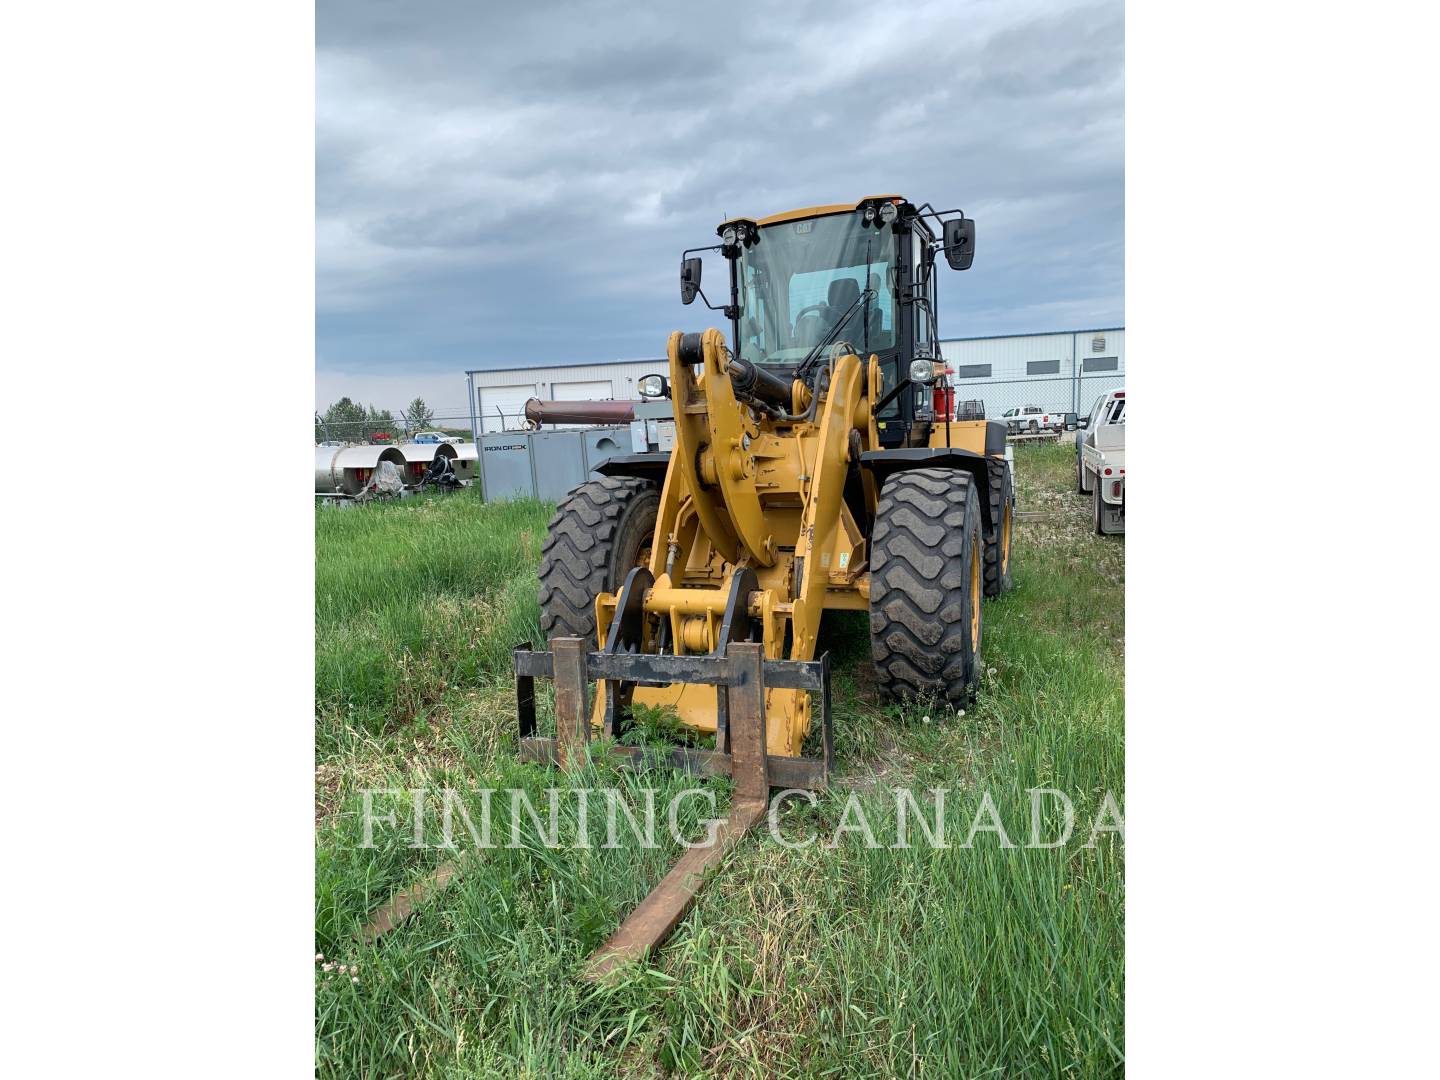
point(1061, 372)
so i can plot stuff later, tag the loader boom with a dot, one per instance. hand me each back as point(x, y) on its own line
point(752, 507)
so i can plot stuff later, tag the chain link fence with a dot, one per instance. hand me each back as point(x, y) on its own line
point(1055, 395)
point(497, 418)
point(1059, 395)
point(377, 429)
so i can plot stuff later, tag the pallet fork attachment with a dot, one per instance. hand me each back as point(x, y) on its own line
point(572, 668)
point(742, 673)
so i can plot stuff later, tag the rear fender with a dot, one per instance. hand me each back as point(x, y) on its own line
point(649, 466)
point(883, 464)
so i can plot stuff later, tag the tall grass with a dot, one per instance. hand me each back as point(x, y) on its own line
point(856, 961)
point(415, 598)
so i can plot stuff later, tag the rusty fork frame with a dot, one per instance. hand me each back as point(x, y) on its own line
point(572, 668)
point(741, 674)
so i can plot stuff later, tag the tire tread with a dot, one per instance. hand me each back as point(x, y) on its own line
point(995, 582)
point(575, 562)
point(919, 575)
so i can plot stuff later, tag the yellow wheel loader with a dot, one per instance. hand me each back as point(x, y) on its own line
point(816, 467)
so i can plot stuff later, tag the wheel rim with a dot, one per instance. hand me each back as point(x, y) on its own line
point(1005, 540)
point(974, 597)
point(622, 566)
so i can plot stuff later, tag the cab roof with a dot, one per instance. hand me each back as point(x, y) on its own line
point(815, 211)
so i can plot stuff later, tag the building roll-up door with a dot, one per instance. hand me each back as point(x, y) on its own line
point(502, 408)
point(596, 390)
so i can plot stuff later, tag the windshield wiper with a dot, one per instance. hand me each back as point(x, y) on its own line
point(865, 296)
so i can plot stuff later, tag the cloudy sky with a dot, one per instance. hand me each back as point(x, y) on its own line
point(502, 185)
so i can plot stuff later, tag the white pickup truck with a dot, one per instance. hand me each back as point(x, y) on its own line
point(1100, 462)
point(1033, 420)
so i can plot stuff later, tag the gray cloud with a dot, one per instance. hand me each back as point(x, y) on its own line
point(501, 186)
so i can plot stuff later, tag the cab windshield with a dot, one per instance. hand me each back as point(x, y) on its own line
point(802, 277)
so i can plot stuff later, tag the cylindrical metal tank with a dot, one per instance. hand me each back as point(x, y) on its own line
point(418, 457)
point(467, 463)
point(345, 470)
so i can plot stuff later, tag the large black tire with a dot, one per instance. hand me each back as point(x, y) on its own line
point(926, 556)
point(597, 534)
point(1000, 537)
point(1080, 464)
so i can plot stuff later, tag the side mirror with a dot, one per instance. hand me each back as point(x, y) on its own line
point(654, 386)
point(960, 243)
point(689, 279)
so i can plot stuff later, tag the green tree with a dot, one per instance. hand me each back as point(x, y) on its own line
point(381, 420)
point(349, 421)
point(343, 421)
point(418, 416)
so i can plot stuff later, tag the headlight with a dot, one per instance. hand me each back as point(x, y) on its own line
point(922, 371)
point(869, 215)
point(889, 213)
point(729, 237)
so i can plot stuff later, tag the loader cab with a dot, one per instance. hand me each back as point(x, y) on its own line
point(862, 273)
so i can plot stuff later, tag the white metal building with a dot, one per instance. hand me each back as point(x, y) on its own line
point(499, 395)
point(1061, 372)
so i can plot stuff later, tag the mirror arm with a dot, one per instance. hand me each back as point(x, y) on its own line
point(684, 256)
point(713, 307)
point(929, 211)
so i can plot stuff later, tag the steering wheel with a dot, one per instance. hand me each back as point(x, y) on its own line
point(814, 311)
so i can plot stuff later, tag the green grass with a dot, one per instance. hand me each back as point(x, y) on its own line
point(985, 961)
point(415, 600)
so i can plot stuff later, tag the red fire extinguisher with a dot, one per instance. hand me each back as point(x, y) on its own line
point(944, 398)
